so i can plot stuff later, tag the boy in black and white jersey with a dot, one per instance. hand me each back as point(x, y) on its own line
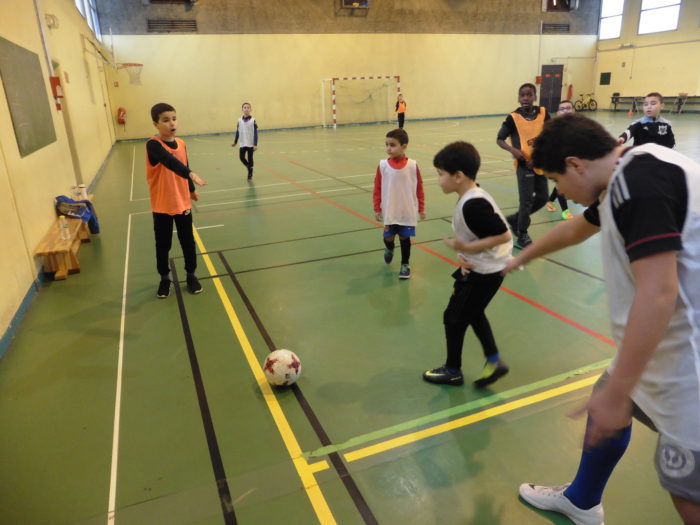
point(652, 127)
point(645, 201)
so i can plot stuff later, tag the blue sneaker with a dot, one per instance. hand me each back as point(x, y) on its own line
point(443, 376)
point(405, 272)
point(388, 255)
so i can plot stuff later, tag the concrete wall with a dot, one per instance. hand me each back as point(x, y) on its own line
point(29, 184)
point(128, 17)
point(665, 62)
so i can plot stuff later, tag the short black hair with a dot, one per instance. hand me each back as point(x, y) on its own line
point(159, 108)
point(655, 94)
point(527, 84)
point(458, 156)
point(398, 134)
point(571, 135)
point(566, 101)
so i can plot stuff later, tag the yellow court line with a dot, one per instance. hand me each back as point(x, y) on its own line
point(466, 420)
point(305, 471)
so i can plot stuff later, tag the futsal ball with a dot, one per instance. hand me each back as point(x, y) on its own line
point(282, 367)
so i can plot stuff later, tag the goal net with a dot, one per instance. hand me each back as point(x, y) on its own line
point(356, 100)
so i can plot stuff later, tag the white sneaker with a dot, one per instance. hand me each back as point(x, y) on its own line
point(552, 498)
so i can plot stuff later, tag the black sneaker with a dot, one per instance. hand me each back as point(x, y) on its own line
point(524, 240)
point(491, 373)
point(443, 376)
point(388, 255)
point(164, 288)
point(193, 284)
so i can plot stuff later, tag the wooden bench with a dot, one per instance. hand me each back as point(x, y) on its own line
point(61, 256)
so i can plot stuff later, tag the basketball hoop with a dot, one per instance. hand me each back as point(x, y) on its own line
point(134, 71)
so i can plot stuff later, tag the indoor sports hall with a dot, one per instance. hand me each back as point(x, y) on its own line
point(117, 407)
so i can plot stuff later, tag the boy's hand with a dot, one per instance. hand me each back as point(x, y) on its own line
point(255, 148)
point(464, 266)
point(451, 242)
point(529, 163)
point(422, 215)
point(194, 195)
point(608, 412)
point(232, 145)
point(378, 215)
point(517, 154)
point(620, 140)
point(196, 179)
point(514, 264)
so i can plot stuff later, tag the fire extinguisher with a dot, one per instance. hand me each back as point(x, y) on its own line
point(121, 116)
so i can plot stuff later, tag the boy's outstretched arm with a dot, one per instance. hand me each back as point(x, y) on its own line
point(478, 245)
point(654, 302)
point(562, 235)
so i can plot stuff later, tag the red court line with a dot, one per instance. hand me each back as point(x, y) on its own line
point(537, 305)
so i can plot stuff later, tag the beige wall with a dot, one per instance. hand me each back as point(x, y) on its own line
point(281, 75)
point(29, 184)
point(665, 62)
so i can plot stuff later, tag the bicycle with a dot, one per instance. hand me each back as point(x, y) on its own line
point(586, 102)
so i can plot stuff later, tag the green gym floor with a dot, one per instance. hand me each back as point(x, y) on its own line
point(157, 410)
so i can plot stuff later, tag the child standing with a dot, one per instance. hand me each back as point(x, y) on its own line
point(522, 126)
point(398, 198)
point(247, 132)
point(171, 186)
point(565, 106)
point(652, 127)
point(484, 246)
point(644, 202)
point(400, 109)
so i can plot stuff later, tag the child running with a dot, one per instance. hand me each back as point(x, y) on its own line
point(484, 246)
point(247, 132)
point(398, 198)
point(522, 126)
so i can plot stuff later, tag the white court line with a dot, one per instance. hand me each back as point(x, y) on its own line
point(306, 193)
point(118, 395)
point(208, 227)
point(133, 161)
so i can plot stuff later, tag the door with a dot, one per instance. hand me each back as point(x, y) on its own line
point(550, 91)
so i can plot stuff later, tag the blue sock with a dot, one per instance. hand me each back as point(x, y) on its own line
point(493, 358)
point(597, 464)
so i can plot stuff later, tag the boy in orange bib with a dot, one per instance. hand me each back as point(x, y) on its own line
point(171, 186)
point(522, 126)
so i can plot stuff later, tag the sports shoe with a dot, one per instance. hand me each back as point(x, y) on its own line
point(491, 373)
point(523, 240)
point(405, 272)
point(193, 285)
point(566, 214)
point(388, 255)
point(551, 207)
point(443, 376)
point(163, 288)
point(552, 498)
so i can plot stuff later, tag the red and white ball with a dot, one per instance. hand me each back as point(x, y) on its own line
point(282, 367)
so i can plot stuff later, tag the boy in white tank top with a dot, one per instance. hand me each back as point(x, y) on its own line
point(484, 246)
point(398, 198)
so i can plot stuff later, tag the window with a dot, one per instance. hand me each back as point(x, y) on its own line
point(611, 19)
point(88, 9)
point(659, 15)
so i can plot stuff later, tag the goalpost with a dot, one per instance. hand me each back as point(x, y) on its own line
point(361, 99)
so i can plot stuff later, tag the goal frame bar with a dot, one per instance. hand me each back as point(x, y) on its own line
point(333, 80)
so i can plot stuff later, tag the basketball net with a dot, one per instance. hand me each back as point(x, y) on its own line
point(133, 70)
